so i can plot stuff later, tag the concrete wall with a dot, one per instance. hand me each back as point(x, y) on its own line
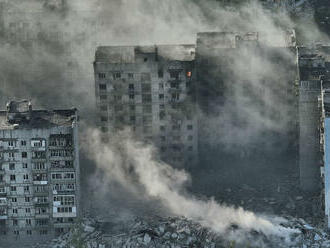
point(309, 135)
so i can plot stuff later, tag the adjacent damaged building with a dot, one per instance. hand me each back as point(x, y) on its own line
point(39, 173)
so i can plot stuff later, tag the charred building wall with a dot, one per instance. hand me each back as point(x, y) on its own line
point(243, 88)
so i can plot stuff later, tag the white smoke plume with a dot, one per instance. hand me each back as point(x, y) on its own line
point(133, 165)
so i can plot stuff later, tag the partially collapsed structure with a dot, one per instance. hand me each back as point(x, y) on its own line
point(39, 173)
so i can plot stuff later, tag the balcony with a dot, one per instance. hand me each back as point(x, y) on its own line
point(43, 193)
point(3, 216)
point(41, 182)
point(42, 215)
point(3, 201)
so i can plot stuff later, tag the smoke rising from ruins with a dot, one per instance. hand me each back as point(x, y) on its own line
point(134, 165)
point(64, 78)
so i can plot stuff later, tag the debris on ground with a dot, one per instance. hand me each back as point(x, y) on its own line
point(179, 232)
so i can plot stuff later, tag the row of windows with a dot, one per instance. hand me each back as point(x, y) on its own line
point(60, 153)
point(64, 210)
point(28, 232)
point(174, 74)
point(54, 141)
point(65, 200)
point(145, 97)
point(43, 166)
point(34, 143)
point(175, 148)
point(38, 210)
point(36, 177)
point(36, 166)
point(26, 199)
point(58, 176)
point(64, 187)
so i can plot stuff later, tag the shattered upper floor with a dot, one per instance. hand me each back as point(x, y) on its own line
point(20, 115)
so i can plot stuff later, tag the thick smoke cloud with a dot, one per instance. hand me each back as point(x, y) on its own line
point(135, 166)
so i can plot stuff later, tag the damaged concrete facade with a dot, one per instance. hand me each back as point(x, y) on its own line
point(314, 122)
point(150, 89)
point(39, 173)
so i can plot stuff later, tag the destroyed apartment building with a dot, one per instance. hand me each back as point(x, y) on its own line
point(156, 90)
point(39, 173)
point(150, 89)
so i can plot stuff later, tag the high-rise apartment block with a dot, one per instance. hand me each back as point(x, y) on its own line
point(150, 89)
point(39, 172)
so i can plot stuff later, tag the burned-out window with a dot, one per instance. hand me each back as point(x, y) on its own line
point(161, 96)
point(131, 86)
point(174, 74)
point(162, 115)
point(104, 118)
point(175, 85)
point(131, 96)
point(160, 73)
point(117, 97)
point(130, 75)
point(101, 75)
point(103, 97)
point(175, 96)
point(116, 75)
point(102, 86)
point(176, 127)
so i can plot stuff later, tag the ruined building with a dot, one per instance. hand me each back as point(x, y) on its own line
point(247, 87)
point(314, 99)
point(311, 67)
point(150, 89)
point(39, 173)
point(157, 90)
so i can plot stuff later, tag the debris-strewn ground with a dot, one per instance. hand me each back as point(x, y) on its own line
point(180, 233)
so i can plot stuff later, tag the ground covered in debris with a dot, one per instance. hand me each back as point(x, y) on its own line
point(177, 232)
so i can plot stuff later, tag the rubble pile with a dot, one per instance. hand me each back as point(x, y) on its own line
point(168, 233)
point(179, 232)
